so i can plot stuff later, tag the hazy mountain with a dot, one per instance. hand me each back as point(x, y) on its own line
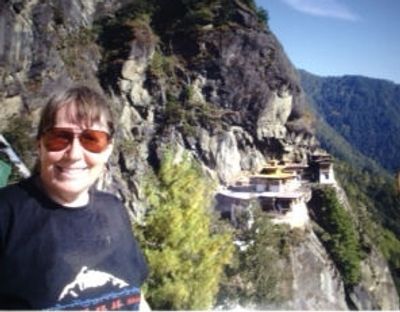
point(364, 111)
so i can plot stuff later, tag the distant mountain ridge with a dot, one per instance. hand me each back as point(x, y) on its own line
point(364, 111)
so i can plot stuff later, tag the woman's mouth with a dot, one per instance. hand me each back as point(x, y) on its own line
point(73, 172)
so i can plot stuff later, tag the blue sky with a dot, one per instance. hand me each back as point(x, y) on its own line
point(339, 37)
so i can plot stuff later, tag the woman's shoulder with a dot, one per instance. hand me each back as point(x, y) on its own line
point(12, 199)
point(16, 191)
point(101, 197)
point(110, 205)
point(105, 195)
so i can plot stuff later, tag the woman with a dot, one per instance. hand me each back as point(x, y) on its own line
point(63, 244)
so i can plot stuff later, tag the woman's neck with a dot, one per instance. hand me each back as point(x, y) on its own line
point(71, 201)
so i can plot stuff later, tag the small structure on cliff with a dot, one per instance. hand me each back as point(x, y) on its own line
point(298, 169)
point(321, 166)
point(274, 178)
point(277, 188)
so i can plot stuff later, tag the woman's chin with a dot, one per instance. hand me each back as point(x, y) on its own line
point(70, 191)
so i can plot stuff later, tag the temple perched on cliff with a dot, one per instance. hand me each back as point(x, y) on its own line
point(281, 189)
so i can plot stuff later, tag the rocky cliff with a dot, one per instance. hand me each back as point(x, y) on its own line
point(214, 81)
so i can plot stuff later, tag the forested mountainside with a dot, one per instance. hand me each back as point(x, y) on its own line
point(205, 96)
point(356, 122)
point(364, 111)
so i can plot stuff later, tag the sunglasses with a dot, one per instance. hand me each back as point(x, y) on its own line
point(57, 139)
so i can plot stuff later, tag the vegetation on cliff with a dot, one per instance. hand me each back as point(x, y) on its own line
point(339, 234)
point(258, 277)
point(186, 38)
point(163, 22)
point(376, 204)
point(185, 254)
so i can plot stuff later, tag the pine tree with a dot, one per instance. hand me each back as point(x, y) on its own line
point(185, 258)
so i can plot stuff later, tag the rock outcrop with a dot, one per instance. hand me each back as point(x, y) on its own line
point(316, 282)
point(375, 291)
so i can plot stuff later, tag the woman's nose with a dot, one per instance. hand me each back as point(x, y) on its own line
point(75, 150)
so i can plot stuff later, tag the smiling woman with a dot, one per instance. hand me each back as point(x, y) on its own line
point(63, 244)
point(75, 142)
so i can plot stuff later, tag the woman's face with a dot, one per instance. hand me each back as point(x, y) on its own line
point(68, 174)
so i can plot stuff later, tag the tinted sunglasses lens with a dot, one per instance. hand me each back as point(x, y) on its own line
point(94, 141)
point(57, 140)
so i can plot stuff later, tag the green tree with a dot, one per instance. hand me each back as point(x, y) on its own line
point(186, 259)
point(339, 236)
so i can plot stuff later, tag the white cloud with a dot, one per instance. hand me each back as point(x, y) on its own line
point(323, 8)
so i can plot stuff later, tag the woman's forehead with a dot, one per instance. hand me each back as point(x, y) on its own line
point(70, 114)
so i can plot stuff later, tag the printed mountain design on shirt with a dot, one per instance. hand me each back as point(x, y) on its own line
point(90, 279)
point(81, 292)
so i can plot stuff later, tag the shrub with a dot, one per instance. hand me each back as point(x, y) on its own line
point(262, 15)
point(186, 259)
point(162, 66)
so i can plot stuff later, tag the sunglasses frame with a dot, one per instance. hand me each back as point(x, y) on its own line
point(69, 135)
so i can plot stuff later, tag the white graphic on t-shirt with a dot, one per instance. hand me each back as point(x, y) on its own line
point(90, 279)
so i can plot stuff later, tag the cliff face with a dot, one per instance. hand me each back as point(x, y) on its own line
point(32, 39)
point(226, 93)
point(241, 71)
point(316, 284)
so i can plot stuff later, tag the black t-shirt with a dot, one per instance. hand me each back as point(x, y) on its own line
point(53, 257)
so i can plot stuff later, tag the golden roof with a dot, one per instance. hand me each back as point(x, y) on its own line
point(275, 176)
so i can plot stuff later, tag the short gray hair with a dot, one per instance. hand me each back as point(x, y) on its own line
point(83, 104)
